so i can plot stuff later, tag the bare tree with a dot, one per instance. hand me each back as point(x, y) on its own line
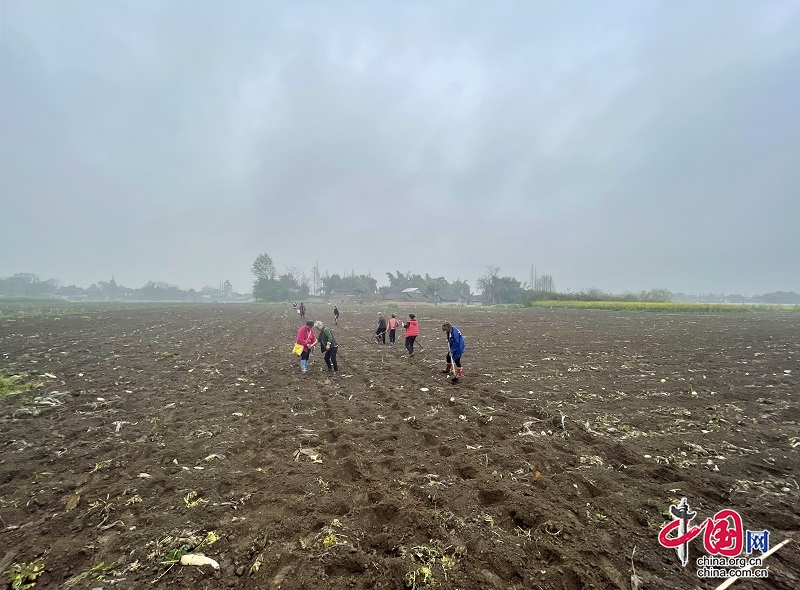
point(294, 272)
point(315, 279)
point(305, 285)
point(488, 282)
point(546, 284)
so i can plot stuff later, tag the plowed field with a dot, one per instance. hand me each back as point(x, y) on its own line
point(158, 430)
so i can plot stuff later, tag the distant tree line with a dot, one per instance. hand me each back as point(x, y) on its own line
point(495, 288)
point(293, 284)
point(435, 288)
point(30, 285)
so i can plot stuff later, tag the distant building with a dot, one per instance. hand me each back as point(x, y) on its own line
point(410, 295)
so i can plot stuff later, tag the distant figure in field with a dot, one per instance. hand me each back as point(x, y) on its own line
point(335, 316)
point(302, 310)
point(307, 338)
point(380, 331)
point(329, 346)
point(392, 326)
point(456, 347)
point(412, 331)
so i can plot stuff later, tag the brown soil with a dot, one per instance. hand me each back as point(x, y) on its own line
point(209, 403)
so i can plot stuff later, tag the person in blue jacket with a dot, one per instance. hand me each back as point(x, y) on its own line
point(456, 346)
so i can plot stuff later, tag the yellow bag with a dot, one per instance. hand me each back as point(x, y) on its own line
point(298, 349)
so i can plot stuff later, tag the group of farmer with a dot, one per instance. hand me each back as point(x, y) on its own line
point(391, 325)
point(307, 339)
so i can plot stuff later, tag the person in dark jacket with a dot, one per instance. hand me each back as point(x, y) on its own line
point(329, 346)
point(456, 347)
point(302, 310)
point(380, 331)
point(335, 316)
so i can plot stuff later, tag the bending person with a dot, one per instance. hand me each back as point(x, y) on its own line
point(329, 346)
point(306, 337)
point(456, 347)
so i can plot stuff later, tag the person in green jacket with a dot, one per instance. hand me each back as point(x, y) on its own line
point(329, 346)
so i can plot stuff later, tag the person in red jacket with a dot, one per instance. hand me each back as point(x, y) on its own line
point(306, 337)
point(412, 331)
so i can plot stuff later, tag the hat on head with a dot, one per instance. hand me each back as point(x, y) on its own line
point(318, 324)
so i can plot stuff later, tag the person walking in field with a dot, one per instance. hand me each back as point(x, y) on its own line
point(380, 331)
point(329, 346)
point(412, 331)
point(456, 347)
point(392, 327)
point(335, 316)
point(302, 310)
point(306, 338)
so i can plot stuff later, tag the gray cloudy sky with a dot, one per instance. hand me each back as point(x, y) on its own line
point(617, 145)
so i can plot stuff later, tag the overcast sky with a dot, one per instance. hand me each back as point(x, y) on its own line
point(622, 146)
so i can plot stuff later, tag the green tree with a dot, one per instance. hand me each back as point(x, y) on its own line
point(288, 281)
point(497, 289)
point(268, 286)
point(459, 290)
point(264, 268)
point(27, 284)
point(332, 284)
point(508, 290)
point(270, 290)
point(363, 286)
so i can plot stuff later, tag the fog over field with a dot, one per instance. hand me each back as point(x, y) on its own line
point(617, 145)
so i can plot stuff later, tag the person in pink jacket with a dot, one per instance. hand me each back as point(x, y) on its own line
point(306, 337)
point(392, 325)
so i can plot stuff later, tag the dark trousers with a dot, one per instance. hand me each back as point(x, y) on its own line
point(380, 335)
point(305, 354)
point(457, 361)
point(330, 358)
point(392, 336)
point(410, 344)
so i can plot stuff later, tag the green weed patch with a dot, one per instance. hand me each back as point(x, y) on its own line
point(13, 384)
